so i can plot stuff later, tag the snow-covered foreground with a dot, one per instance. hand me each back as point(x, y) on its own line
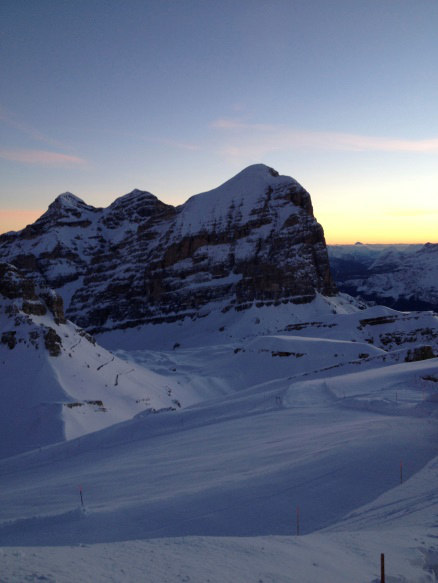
point(210, 493)
point(327, 558)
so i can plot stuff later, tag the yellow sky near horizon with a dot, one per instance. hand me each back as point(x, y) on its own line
point(388, 227)
point(340, 227)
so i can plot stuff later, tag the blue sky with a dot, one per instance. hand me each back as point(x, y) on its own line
point(175, 97)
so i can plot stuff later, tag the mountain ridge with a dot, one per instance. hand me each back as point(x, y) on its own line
point(252, 239)
point(400, 276)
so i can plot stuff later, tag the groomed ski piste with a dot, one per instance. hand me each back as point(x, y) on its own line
point(305, 452)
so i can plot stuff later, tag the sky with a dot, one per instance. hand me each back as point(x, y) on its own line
point(99, 97)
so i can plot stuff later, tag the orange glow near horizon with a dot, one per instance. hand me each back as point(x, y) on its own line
point(17, 219)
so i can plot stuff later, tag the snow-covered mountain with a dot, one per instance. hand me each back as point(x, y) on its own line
point(252, 239)
point(235, 419)
point(56, 382)
point(404, 277)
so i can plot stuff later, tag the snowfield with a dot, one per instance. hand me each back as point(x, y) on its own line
point(85, 388)
point(289, 413)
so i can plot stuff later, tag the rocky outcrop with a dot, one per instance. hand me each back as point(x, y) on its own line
point(252, 240)
point(52, 342)
point(13, 285)
point(20, 300)
point(419, 353)
point(9, 338)
point(30, 297)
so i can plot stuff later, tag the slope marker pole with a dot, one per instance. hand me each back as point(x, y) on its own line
point(382, 568)
point(82, 499)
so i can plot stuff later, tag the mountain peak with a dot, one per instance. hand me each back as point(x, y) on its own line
point(138, 191)
point(66, 204)
point(244, 196)
point(133, 197)
point(68, 200)
point(247, 185)
point(255, 179)
point(259, 170)
point(258, 174)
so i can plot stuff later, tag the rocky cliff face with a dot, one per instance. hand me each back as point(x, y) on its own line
point(27, 296)
point(253, 239)
point(20, 300)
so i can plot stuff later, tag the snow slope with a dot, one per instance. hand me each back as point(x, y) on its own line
point(240, 196)
point(319, 408)
point(84, 389)
point(160, 489)
point(338, 318)
point(329, 558)
point(56, 382)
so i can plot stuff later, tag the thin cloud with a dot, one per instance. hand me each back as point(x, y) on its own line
point(245, 140)
point(41, 157)
point(11, 120)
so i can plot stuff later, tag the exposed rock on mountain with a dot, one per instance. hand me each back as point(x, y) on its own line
point(403, 277)
point(253, 239)
point(56, 382)
point(30, 298)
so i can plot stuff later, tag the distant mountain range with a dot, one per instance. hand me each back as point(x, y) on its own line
point(404, 277)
